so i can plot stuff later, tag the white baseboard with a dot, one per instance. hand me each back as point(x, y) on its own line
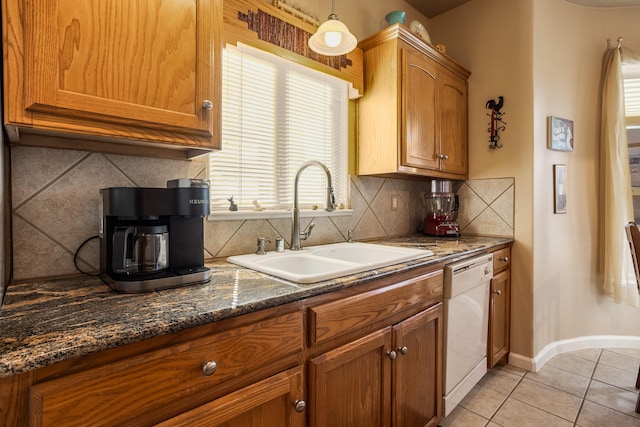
point(572, 344)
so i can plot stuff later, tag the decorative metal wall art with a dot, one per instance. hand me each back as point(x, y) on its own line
point(496, 125)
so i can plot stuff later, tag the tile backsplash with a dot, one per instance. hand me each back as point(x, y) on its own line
point(55, 198)
point(486, 207)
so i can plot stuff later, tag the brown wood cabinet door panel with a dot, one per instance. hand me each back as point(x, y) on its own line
point(419, 106)
point(146, 385)
point(453, 123)
point(351, 385)
point(268, 403)
point(339, 317)
point(499, 320)
point(122, 61)
point(501, 260)
point(417, 375)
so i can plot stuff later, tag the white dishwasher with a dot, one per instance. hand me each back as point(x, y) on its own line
point(466, 314)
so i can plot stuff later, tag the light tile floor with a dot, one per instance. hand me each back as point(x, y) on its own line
point(585, 388)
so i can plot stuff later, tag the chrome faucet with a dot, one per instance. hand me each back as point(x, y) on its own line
point(330, 205)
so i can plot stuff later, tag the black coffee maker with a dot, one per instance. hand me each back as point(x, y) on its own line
point(153, 238)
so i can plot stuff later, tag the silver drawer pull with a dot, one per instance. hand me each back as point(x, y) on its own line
point(207, 105)
point(392, 355)
point(498, 292)
point(299, 405)
point(504, 259)
point(209, 368)
point(403, 350)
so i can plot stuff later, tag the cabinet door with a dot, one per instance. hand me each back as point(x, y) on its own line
point(417, 370)
point(453, 122)
point(148, 63)
point(269, 403)
point(419, 143)
point(499, 314)
point(159, 384)
point(351, 385)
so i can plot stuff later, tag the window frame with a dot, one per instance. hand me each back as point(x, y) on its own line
point(340, 178)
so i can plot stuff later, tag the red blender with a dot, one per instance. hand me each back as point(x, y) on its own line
point(441, 207)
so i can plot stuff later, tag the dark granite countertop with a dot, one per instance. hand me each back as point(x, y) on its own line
point(45, 322)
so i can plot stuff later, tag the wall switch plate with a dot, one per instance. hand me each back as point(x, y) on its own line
point(394, 202)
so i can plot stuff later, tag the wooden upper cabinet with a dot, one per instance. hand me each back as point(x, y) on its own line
point(420, 101)
point(135, 71)
point(453, 123)
point(413, 115)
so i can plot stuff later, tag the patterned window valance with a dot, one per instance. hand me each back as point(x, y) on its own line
point(257, 23)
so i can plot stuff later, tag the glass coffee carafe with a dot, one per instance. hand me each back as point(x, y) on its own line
point(140, 249)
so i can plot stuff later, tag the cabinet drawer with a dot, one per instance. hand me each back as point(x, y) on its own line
point(336, 318)
point(151, 383)
point(501, 259)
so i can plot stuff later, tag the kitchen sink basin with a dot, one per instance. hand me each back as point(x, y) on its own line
point(317, 263)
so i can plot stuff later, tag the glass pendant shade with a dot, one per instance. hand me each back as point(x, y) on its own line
point(332, 38)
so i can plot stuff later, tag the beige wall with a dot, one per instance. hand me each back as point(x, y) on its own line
point(569, 44)
point(363, 17)
point(492, 38)
point(544, 57)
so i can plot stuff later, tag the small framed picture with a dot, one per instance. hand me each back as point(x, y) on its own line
point(559, 189)
point(559, 134)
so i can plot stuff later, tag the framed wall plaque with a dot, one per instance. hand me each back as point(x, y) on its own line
point(559, 189)
point(559, 134)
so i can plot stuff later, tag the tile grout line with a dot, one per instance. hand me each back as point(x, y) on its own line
point(575, 422)
point(505, 400)
point(51, 182)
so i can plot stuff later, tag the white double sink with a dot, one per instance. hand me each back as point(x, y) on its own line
point(317, 263)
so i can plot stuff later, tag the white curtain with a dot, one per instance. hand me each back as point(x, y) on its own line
point(615, 183)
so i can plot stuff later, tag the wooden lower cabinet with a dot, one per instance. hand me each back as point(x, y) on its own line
point(392, 377)
point(274, 402)
point(366, 355)
point(417, 369)
point(499, 308)
point(248, 368)
point(499, 313)
point(351, 385)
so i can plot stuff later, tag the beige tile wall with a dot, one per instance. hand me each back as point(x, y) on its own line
point(55, 198)
point(486, 207)
point(56, 195)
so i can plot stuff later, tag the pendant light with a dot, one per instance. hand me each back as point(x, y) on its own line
point(332, 37)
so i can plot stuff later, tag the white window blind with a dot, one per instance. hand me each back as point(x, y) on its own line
point(631, 74)
point(632, 97)
point(276, 115)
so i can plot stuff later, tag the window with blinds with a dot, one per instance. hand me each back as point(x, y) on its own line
point(631, 74)
point(276, 115)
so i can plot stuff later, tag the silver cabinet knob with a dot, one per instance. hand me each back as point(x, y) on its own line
point(498, 292)
point(392, 355)
point(207, 105)
point(299, 405)
point(403, 350)
point(209, 368)
point(443, 156)
point(504, 259)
